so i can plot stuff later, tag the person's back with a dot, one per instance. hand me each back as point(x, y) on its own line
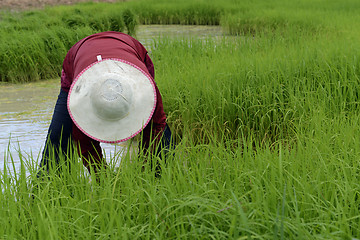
point(107, 45)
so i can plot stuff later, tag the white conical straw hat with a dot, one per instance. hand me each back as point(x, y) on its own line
point(112, 100)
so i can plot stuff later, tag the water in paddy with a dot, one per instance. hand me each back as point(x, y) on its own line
point(26, 109)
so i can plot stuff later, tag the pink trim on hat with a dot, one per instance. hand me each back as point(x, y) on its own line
point(126, 62)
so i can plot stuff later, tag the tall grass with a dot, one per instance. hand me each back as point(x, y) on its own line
point(34, 56)
point(266, 82)
point(33, 43)
point(205, 191)
point(264, 87)
point(267, 124)
point(174, 12)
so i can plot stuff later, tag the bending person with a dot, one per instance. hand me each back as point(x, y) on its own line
point(108, 94)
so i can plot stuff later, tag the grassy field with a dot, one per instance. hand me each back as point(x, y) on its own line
point(267, 121)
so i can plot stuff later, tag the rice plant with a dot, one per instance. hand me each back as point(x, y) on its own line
point(266, 120)
point(205, 191)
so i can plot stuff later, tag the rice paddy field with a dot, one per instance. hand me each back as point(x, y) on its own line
point(266, 120)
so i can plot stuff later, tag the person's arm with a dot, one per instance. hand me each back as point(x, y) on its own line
point(149, 65)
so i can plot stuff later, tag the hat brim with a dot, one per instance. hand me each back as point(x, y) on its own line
point(112, 131)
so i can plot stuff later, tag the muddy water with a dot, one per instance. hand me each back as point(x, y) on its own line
point(26, 109)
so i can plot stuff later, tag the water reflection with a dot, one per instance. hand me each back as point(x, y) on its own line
point(26, 109)
point(23, 137)
point(22, 134)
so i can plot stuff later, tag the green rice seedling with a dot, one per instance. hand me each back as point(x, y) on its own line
point(273, 20)
point(188, 13)
point(130, 21)
point(205, 190)
point(111, 20)
point(268, 132)
point(104, 19)
point(41, 54)
point(74, 19)
point(238, 24)
point(262, 86)
point(265, 86)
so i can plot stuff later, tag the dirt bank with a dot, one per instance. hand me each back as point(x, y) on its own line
point(17, 5)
